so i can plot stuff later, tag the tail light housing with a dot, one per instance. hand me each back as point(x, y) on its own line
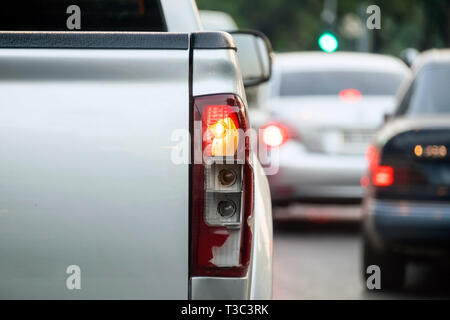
point(395, 171)
point(222, 188)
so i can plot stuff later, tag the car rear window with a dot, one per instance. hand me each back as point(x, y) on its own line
point(429, 93)
point(96, 15)
point(331, 83)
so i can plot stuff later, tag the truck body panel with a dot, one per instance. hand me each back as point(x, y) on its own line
point(86, 174)
point(93, 156)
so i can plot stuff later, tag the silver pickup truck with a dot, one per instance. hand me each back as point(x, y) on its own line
point(102, 192)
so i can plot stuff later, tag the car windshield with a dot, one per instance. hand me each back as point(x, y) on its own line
point(430, 92)
point(332, 83)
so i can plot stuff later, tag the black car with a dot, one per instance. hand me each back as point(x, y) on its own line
point(406, 210)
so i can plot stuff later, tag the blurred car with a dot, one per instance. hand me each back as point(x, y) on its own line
point(217, 21)
point(325, 108)
point(406, 210)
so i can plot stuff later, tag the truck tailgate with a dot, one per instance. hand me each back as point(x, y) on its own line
point(86, 176)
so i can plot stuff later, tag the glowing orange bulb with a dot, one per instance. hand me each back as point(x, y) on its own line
point(418, 150)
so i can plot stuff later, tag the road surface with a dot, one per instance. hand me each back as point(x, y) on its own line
point(320, 260)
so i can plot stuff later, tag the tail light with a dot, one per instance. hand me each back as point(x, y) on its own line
point(381, 176)
point(395, 170)
point(372, 157)
point(350, 95)
point(222, 188)
point(275, 134)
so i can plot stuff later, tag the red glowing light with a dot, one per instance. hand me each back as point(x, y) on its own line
point(350, 95)
point(275, 134)
point(383, 176)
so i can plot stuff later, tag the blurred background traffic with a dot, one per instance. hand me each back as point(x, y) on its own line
point(358, 115)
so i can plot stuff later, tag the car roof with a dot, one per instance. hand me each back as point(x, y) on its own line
point(430, 57)
point(354, 61)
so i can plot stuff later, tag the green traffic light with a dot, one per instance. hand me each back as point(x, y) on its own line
point(328, 42)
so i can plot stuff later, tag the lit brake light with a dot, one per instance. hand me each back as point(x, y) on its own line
point(274, 134)
point(221, 134)
point(350, 95)
point(222, 189)
point(383, 176)
point(372, 157)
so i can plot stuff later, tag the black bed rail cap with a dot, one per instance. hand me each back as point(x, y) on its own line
point(94, 40)
point(213, 40)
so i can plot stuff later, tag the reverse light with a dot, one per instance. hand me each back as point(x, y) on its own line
point(226, 208)
point(222, 189)
point(275, 134)
point(227, 177)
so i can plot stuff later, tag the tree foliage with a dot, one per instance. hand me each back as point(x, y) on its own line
point(296, 24)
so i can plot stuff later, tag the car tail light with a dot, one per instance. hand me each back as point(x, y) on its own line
point(372, 157)
point(381, 176)
point(395, 170)
point(350, 95)
point(222, 189)
point(275, 134)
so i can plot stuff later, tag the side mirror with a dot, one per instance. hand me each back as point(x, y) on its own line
point(254, 53)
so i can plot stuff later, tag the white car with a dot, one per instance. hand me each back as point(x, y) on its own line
point(325, 108)
point(217, 21)
point(104, 190)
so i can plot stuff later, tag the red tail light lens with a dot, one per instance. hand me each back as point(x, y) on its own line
point(383, 176)
point(222, 189)
point(220, 126)
point(275, 134)
point(350, 95)
point(372, 157)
